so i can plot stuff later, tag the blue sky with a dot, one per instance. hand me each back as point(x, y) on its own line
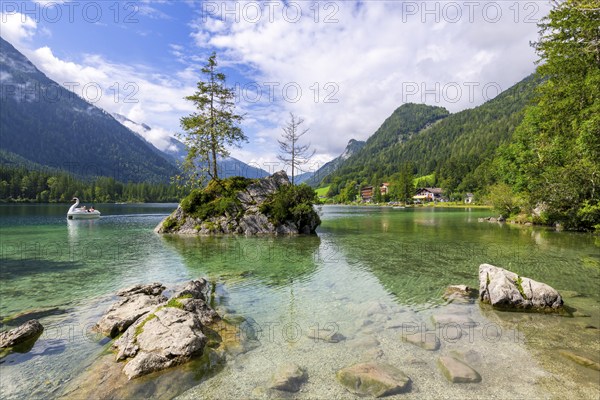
point(342, 66)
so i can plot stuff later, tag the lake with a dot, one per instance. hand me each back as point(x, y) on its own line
point(370, 274)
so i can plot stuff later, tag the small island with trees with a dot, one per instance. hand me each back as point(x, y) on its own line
point(236, 205)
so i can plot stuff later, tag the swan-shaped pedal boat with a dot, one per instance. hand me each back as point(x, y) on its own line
point(76, 212)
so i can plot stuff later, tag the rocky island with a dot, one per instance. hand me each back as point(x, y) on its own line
point(268, 206)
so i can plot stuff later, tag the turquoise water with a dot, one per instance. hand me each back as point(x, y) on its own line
point(368, 271)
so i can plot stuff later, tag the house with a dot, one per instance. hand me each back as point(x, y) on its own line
point(384, 188)
point(469, 198)
point(367, 192)
point(428, 194)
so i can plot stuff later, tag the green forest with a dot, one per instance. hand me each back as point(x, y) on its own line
point(533, 152)
point(19, 184)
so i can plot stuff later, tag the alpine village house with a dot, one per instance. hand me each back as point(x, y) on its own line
point(422, 194)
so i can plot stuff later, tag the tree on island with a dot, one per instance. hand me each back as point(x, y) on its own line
point(555, 156)
point(213, 127)
point(292, 153)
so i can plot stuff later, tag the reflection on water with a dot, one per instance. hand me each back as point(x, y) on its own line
point(79, 227)
point(273, 261)
point(369, 274)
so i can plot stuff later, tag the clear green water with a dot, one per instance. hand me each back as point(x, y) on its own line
point(368, 271)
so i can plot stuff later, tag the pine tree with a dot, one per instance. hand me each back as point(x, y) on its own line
point(214, 125)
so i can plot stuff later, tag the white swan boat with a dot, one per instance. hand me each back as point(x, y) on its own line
point(76, 212)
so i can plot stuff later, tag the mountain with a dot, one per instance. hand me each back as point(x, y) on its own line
point(167, 145)
point(43, 122)
point(352, 148)
point(303, 177)
point(175, 150)
point(458, 148)
point(406, 122)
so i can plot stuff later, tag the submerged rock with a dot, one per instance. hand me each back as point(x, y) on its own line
point(30, 331)
point(586, 362)
point(425, 340)
point(373, 379)
point(365, 342)
point(460, 320)
point(137, 301)
point(457, 371)
point(326, 335)
point(505, 289)
point(289, 378)
point(36, 313)
point(459, 294)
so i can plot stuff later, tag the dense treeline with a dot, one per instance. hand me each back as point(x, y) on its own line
point(22, 184)
point(551, 169)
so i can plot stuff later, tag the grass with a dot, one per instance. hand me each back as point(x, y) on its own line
point(175, 303)
point(322, 192)
point(519, 284)
point(140, 328)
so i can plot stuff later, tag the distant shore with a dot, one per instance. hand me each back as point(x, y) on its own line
point(431, 205)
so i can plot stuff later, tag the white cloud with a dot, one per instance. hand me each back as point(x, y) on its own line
point(17, 28)
point(141, 95)
point(368, 62)
point(376, 54)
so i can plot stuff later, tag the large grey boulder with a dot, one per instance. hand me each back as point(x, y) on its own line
point(152, 289)
point(136, 301)
point(505, 289)
point(167, 337)
point(156, 333)
point(196, 289)
point(258, 192)
point(373, 379)
point(29, 331)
